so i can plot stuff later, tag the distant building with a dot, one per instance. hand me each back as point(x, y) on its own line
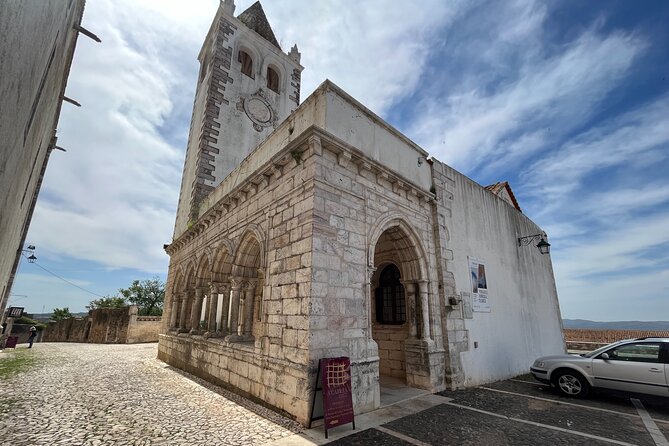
point(321, 231)
point(36, 50)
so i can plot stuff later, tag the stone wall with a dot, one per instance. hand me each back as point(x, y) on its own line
point(36, 51)
point(272, 210)
point(143, 328)
point(390, 340)
point(105, 326)
point(23, 332)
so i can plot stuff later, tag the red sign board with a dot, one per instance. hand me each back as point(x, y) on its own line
point(337, 396)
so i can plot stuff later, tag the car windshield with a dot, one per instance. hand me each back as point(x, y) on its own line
point(594, 353)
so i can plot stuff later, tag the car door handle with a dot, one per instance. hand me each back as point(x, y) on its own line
point(654, 370)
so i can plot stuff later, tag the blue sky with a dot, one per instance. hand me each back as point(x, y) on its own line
point(568, 101)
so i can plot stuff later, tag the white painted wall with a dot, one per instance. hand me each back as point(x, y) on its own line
point(524, 321)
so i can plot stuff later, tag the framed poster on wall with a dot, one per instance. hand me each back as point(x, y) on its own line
point(479, 281)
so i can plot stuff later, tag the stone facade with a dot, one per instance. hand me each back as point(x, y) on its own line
point(106, 326)
point(36, 50)
point(339, 236)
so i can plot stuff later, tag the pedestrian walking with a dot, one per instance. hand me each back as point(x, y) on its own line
point(33, 335)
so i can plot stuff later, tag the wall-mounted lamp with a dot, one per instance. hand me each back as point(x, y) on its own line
point(542, 245)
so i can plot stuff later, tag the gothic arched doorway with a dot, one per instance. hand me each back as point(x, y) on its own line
point(399, 310)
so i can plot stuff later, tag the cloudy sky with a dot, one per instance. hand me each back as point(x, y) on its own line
point(568, 101)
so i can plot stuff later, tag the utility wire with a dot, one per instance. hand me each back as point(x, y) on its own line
point(64, 280)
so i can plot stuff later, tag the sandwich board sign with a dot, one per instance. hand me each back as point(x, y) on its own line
point(333, 381)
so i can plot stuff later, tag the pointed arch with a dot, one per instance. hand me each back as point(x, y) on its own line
point(411, 256)
point(221, 261)
point(250, 255)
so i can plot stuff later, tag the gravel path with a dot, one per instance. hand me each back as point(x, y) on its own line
point(88, 394)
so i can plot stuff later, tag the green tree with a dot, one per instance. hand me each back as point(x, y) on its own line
point(107, 302)
point(59, 314)
point(148, 295)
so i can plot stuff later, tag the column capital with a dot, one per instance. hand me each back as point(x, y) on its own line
point(236, 282)
point(249, 284)
point(370, 273)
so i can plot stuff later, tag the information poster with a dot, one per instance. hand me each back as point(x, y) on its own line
point(480, 302)
point(337, 396)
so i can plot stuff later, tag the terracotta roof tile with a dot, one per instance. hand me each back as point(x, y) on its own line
point(499, 186)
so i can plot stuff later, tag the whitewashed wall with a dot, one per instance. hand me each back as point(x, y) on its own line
point(524, 321)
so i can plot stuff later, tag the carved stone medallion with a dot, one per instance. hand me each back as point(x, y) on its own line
point(259, 110)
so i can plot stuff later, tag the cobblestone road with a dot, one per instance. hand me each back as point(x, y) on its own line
point(86, 394)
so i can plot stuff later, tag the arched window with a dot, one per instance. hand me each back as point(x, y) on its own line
point(390, 299)
point(247, 63)
point(272, 80)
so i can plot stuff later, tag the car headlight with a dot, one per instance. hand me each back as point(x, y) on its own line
point(539, 364)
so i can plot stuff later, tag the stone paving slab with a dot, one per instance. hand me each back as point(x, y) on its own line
point(657, 407)
point(604, 424)
point(87, 394)
point(446, 424)
point(369, 437)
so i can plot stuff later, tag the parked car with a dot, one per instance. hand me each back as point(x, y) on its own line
point(634, 365)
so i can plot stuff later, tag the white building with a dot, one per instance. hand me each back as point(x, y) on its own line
point(321, 231)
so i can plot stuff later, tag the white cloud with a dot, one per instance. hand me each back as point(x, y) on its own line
point(375, 50)
point(551, 94)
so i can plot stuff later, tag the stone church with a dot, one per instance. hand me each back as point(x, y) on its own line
point(314, 229)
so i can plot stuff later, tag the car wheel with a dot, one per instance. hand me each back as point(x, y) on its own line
point(571, 384)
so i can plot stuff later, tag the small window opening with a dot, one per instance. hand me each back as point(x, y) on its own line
point(272, 80)
point(247, 63)
point(390, 298)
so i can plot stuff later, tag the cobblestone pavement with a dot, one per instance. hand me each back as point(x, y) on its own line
point(87, 394)
point(522, 412)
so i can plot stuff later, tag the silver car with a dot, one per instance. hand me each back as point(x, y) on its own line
point(634, 365)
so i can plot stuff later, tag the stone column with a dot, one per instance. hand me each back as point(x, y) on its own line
point(424, 309)
point(234, 310)
point(182, 315)
point(410, 289)
point(176, 300)
point(212, 304)
point(196, 311)
point(246, 327)
point(222, 326)
point(259, 307)
point(370, 300)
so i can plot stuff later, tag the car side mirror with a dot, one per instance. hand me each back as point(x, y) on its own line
point(604, 356)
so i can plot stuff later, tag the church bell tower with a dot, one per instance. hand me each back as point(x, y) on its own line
point(247, 86)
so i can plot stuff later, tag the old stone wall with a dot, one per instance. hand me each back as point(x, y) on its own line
point(36, 51)
point(273, 207)
point(105, 326)
point(143, 329)
point(22, 331)
point(356, 202)
point(108, 326)
point(391, 349)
